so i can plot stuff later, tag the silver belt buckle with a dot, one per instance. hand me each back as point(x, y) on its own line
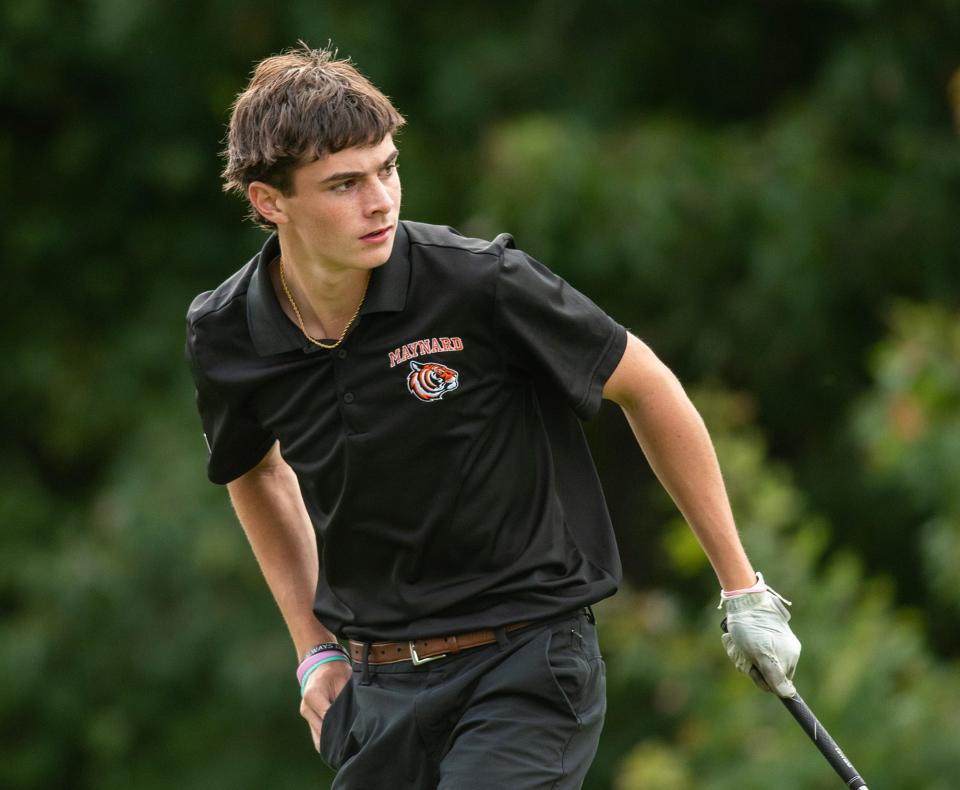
point(417, 661)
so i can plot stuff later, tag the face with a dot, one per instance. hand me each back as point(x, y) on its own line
point(344, 208)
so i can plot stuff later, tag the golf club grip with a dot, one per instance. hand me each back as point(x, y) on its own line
point(827, 746)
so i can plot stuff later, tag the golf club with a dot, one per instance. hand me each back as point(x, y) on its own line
point(821, 738)
point(827, 746)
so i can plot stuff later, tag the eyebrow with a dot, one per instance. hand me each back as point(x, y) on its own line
point(359, 173)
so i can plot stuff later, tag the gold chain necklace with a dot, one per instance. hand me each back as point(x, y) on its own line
point(296, 312)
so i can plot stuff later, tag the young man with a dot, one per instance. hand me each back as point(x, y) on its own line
point(395, 409)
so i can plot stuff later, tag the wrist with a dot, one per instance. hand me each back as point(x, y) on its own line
point(759, 586)
point(312, 664)
point(318, 656)
point(330, 644)
point(309, 636)
point(748, 597)
point(318, 653)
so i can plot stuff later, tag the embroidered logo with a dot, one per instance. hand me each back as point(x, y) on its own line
point(430, 381)
point(427, 345)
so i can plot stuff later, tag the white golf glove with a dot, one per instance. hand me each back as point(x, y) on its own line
point(758, 639)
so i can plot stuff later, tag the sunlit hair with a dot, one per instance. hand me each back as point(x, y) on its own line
point(300, 105)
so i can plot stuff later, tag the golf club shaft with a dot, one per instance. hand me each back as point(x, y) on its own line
point(827, 746)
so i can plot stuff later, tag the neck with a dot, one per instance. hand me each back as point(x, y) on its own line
point(326, 297)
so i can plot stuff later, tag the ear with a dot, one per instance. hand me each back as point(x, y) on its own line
point(268, 200)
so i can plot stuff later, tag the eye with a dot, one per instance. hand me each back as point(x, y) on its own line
point(343, 186)
point(390, 169)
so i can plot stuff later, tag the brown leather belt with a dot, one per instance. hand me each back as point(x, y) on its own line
point(420, 651)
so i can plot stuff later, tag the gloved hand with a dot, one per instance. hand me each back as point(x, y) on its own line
point(758, 639)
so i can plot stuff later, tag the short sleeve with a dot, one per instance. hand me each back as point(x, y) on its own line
point(235, 440)
point(546, 323)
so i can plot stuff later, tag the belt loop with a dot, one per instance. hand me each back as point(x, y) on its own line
point(590, 615)
point(501, 634)
point(365, 665)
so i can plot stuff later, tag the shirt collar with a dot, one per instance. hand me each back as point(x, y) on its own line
point(274, 333)
point(387, 291)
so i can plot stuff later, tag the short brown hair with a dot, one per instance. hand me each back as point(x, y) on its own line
point(299, 106)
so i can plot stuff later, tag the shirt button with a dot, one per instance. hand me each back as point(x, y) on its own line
point(342, 353)
point(348, 397)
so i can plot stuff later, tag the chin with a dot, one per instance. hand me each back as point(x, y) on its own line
point(376, 258)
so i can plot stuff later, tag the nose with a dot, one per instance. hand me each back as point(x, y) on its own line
point(379, 198)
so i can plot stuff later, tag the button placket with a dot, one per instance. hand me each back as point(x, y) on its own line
point(345, 395)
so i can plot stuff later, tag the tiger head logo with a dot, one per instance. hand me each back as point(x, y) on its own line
point(430, 382)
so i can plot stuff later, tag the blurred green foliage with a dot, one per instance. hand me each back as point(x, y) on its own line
point(909, 426)
point(766, 192)
point(865, 670)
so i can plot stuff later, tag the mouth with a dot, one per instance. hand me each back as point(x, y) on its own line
point(378, 235)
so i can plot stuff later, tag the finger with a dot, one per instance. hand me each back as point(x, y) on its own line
point(735, 654)
point(316, 726)
point(740, 659)
point(773, 673)
point(757, 678)
point(792, 667)
point(786, 689)
point(316, 698)
point(314, 719)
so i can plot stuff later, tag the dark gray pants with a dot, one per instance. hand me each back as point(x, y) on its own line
point(521, 714)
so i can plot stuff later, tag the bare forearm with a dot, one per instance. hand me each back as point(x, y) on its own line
point(268, 503)
point(676, 443)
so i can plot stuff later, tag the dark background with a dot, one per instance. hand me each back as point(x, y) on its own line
point(767, 193)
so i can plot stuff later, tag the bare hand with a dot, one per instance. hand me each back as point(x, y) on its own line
point(323, 687)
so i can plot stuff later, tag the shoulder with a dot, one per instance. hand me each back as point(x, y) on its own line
point(445, 259)
point(230, 293)
point(441, 239)
point(501, 254)
point(217, 326)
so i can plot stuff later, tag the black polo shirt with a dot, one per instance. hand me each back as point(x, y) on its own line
point(438, 449)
